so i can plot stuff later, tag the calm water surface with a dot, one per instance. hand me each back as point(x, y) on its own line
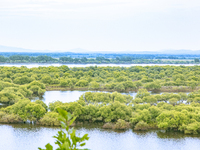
point(67, 96)
point(71, 96)
point(29, 137)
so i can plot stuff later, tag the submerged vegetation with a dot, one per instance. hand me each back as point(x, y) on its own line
point(168, 111)
point(177, 112)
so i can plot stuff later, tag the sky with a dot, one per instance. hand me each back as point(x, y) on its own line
point(100, 25)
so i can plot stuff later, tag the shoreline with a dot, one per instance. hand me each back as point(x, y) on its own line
point(100, 126)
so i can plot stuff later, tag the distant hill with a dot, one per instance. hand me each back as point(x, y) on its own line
point(84, 51)
point(172, 52)
point(182, 51)
point(77, 50)
point(16, 49)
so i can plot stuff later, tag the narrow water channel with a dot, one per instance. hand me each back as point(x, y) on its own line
point(66, 96)
point(70, 96)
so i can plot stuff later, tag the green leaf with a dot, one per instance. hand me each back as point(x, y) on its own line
point(69, 116)
point(63, 113)
point(82, 144)
point(68, 140)
point(65, 146)
point(85, 137)
point(49, 147)
point(71, 121)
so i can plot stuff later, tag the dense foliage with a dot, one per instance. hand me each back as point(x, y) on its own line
point(179, 112)
point(99, 78)
point(167, 111)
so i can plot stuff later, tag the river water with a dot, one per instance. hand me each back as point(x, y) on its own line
point(66, 96)
point(71, 96)
point(29, 137)
point(31, 65)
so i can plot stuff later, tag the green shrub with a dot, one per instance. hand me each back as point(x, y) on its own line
point(121, 124)
point(50, 119)
point(141, 126)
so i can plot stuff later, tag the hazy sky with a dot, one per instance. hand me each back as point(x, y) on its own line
point(100, 25)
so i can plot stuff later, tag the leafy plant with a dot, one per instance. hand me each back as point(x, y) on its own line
point(67, 140)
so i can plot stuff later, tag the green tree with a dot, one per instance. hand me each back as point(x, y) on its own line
point(94, 85)
point(119, 87)
point(47, 79)
point(173, 101)
point(34, 111)
point(82, 83)
point(67, 140)
point(150, 99)
point(23, 80)
point(152, 86)
point(142, 93)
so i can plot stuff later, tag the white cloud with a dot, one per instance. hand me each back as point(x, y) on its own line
point(91, 8)
point(100, 24)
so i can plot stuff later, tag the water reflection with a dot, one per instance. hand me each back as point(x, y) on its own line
point(71, 96)
point(67, 96)
point(29, 137)
point(174, 135)
point(63, 96)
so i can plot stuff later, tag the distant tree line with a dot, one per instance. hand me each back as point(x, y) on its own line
point(97, 60)
point(106, 55)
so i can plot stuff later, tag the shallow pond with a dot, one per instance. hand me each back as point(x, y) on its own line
point(67, 96)
point(71, 96)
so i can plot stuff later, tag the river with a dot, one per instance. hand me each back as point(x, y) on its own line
point(29, 137)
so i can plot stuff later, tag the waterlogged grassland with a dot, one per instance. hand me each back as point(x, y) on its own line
point(177, 112)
